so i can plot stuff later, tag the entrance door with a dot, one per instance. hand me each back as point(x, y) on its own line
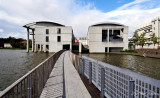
point(66, 46)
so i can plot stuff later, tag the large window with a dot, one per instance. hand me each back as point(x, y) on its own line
point(104, 35)
point(47, 31)
point(47, 38)
point(115, 36)
point(58, 38)
point(59, 31)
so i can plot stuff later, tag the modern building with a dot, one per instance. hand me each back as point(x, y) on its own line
point(7, 45)
point(149, 28)
point(49, 36)
point(107, 37)
point(83, 40)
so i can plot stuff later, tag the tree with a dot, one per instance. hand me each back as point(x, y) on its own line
point(136, 38)
point(142, 39)
point(154, 38)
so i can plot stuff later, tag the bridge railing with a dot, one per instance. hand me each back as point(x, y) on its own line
point(115, 82)
point(32, 83)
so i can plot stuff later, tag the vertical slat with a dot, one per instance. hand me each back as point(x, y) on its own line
point(90, 72)
point(131, 89)
point(83, 66)
point(102, 82)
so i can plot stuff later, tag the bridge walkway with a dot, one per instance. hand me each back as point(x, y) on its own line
point(74, 87)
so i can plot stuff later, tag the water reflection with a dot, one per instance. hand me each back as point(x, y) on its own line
point(142, 65)
point(15, 63)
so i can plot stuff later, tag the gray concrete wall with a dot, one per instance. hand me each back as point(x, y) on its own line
point(95, 38)
point(54, 46)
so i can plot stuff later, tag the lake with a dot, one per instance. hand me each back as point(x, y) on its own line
point(142, 65)
point(15, 63)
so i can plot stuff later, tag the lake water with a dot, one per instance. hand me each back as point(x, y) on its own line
point(15, 63)
point(142, 65)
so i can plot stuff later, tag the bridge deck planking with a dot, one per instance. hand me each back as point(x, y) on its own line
point(74, 86)
point(54, 85)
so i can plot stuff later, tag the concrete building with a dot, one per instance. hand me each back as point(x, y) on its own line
point(149, 28)
point(7, 45)
point(107, 37)
point(49, 36)
point(83, 40)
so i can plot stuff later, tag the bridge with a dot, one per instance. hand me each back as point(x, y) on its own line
point(64, 74)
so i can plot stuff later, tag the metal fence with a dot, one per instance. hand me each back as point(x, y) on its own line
point(115, 82)
point(32, 83)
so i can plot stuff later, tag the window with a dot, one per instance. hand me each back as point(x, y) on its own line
point(47, 38)
point(58, 38)
point(47, 31)
point(58, 31)
point(104, 35)
point(47, 47)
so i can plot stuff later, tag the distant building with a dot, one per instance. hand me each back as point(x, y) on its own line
point(83, 40)
point(49, 36)
point(7, 45)
point(107, 37)
point(149, 28)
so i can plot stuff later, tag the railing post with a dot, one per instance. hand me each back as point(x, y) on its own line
point(29, 83)
point(131, 89)
point(83, 66)
point(102, 82)
point(90, 72)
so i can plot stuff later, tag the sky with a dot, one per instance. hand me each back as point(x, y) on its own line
point(79, 14)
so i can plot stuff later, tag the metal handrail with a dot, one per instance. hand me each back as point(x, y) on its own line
point(116, 82)
point(32, 83)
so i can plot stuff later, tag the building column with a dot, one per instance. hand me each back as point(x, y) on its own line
point(40, 47)
point(44, 47)
point(108, 49)
point(27, 39)
point(33, 40)
point(108, 36)
point(80, 47)
point(35, 50)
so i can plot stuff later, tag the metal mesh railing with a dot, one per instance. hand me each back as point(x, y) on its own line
point(114, 82)
point(32, 83)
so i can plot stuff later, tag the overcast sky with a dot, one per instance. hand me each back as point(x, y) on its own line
point(76, 13)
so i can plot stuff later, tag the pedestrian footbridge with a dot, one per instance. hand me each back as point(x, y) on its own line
point(62, 75)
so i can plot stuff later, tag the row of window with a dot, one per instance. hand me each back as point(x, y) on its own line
point(58, 38)
point(58, 31)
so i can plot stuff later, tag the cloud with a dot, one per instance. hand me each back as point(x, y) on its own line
point(74, 13)
point(1, 30)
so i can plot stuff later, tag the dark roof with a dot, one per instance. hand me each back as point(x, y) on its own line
point(32, 24)
point(107, 24)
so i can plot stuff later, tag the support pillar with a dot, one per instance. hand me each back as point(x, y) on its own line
point(80, 47)
point(44, 48)
point(33, 40)
point(108, 49)
point(27, 39)
point(35, 50)
point(40, 47)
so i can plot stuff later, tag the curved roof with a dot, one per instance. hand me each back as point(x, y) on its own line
point(32, 24)
point(108, 24)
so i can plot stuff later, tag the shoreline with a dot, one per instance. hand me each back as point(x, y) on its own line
point(137, 54)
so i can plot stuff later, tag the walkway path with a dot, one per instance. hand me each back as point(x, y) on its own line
point(74, 86)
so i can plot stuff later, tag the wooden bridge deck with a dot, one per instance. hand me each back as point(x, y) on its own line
point(74, 86)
